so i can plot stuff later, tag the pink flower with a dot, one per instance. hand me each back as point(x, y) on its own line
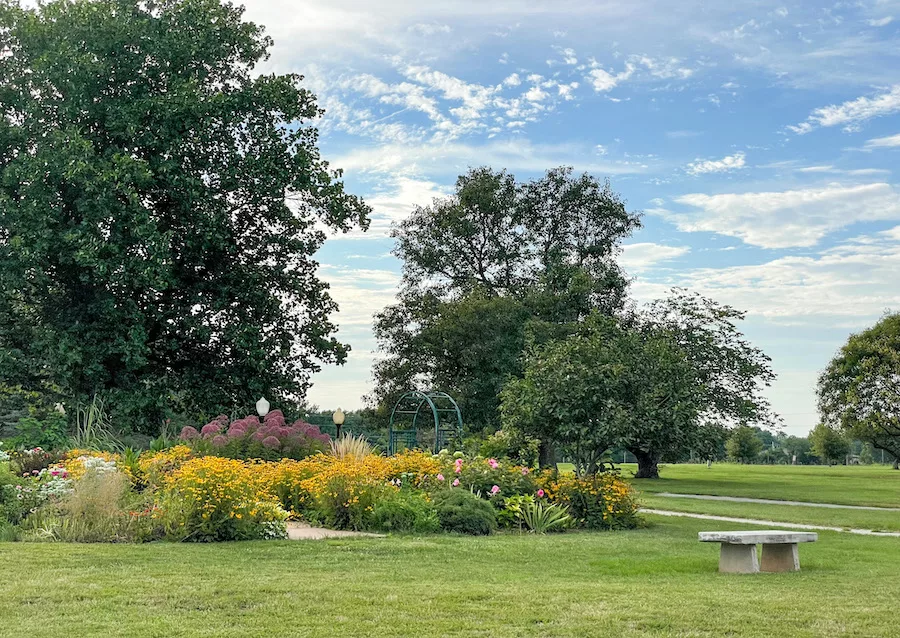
point(540, 493)
point(189, 434)
point(440, 477)
point(493, 463)
point(456, 483)
point(271, 442)
point(458, 466)
point(524, 471)
point(495, 489)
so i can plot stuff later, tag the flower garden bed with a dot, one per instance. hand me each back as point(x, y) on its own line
point(193, 491)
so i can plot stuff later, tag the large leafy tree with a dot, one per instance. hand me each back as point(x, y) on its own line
point(607, 385)
point(658, 383)
point(159, 206)
point(731, 373)
point(859, 391)
point(495, 261)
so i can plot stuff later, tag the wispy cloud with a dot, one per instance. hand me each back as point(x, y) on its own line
point(728, 163)
point(784, 219)
point(851, 114)
point(891, 141)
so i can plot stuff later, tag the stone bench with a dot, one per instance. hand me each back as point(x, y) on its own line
point(779, 550)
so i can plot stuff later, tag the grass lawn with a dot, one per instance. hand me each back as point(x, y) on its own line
point(859, 519)
point(652, 582)
point(846, 485)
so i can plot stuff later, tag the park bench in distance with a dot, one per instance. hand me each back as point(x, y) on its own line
point(779, 550)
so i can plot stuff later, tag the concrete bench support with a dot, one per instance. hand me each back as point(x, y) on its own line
point(780, 557)
point(738, 559)
point(738, 551)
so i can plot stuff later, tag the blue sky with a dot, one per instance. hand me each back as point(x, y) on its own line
point(760, 139)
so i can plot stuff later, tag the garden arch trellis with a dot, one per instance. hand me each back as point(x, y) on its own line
point(442, 410)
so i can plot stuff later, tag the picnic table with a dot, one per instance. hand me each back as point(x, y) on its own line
point(779, 550)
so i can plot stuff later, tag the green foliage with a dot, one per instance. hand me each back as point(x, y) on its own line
point(50, 432)
point(858, 391)
point(513, 445)
point(541, 518)
point(828, 444)
point(606, 385)
point(93, 430)
point(499, 259)
point(406, 512)
point(743, 445)
point(160, 203)
point(461, 511)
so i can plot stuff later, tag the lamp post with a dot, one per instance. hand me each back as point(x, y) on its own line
point(262, 407)
point(338, 418)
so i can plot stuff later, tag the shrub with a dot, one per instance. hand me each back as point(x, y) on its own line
point(154, 466)
point(461, 511)
point(481, 475)
point(217, 499)
point(602, 501)
point(249, 438)
point(406, 512)
point(344, 492)
point(415, 468)
point(33, 460)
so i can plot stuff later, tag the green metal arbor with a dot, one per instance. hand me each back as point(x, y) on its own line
point(406, 431)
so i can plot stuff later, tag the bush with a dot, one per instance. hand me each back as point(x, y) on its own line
point(490, 477)
point(602, 501)
point(461, 511)
point(155, 466)
point(32, 460)
point(249, 438)
point(406, 512)
point(217, 499)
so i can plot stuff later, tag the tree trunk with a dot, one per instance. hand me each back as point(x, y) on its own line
point(546, 456)
point(897, 464)
point(648, 464)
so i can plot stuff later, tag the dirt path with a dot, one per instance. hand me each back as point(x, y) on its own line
point(768, 501)
point(774, 524)
point(302, 531)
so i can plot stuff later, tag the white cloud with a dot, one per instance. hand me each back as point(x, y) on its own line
point(856, 279)
point(853, 113)
point(787, 218)
point(728, 163)
point(454, 157)
point(394, 200)
point(880, 22)
point(891, 141)
point(430, 28)
point(603, 80)
point(536, 94)
point(644, 255)
point(512, 80)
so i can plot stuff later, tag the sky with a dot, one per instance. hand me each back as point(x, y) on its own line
point(760, 140)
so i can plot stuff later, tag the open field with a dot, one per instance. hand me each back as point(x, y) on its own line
point(877, 485)
point(651, 582)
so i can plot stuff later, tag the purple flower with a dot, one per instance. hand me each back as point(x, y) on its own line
point(189, 434)
point(210, 429)
point(219, 440)
point(271, 442)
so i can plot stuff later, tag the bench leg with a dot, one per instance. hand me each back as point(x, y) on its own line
point(780, 557)
point(738, 559)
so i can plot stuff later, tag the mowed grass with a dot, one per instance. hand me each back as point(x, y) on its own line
point(877, 485)
point(855, 519)
point(651, 582)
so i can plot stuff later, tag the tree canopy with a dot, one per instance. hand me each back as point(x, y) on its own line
point(159, 205)
point(500, 260)
point(859, 390)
